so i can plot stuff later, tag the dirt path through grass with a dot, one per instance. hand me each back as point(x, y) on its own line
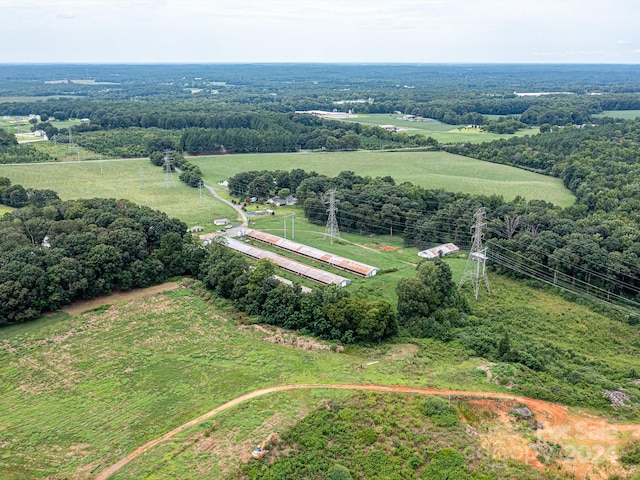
point(555, 418)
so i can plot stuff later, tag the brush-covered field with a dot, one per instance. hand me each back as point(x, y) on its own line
point(135, 180)
point(428, 169)
point(81, 392)
point(442, 132)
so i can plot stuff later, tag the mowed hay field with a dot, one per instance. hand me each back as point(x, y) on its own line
point(442, 132)
point(135, 180)
point(624, 114)
point(443, 170)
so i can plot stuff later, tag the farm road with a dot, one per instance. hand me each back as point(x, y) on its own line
point(553, 416)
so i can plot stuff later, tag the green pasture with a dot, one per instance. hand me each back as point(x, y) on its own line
point(4, 209)
point(135, 180)
point(79, 392)
point(60, 124)
point(428, 169)
point(439, 131)
point(624, 114)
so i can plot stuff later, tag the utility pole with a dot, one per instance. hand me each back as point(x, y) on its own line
point(475, 269)
point(200, 190)
point(293, 218)
point(168, 172)
point(332, 230)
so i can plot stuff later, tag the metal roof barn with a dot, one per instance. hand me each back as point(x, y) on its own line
point(285, 263)
point(444, 249)
point(337, 261)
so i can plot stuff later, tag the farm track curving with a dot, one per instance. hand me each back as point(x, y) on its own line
point(554, 416)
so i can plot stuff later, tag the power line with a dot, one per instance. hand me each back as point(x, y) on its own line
point(475, 269)
point(332, 230)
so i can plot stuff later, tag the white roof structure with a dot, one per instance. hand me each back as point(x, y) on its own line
point(350, 266)
point(285, 263)
point(435, 252)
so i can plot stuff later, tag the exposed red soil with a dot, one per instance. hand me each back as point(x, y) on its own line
point(592, 436)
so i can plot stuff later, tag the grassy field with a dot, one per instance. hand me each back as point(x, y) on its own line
point(428, 169)
point(136, 180)
point(83, 391)
point(79, 392)
point(624, 114)
point(441, 132)
point(4, 209)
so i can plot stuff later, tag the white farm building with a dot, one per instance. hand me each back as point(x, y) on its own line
point(440, 250)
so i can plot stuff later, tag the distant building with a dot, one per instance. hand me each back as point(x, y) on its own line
point(440, 250)
point(221, 221)
point(195, 229)
point(279, 201)
point(389, 128)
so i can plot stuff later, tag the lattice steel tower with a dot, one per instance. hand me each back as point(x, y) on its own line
point(475, 269)
point(332, 230)
point(168, 172)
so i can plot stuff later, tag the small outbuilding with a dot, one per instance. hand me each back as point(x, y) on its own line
point(221, 221)
point(439, 251)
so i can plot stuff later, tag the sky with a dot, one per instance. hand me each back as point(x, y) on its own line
point(352, 31)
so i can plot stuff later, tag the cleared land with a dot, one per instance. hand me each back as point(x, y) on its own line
point(556, 417)
point(428, 169)
point(135, 180)
point(442, 132)
point(625, 114)
point(83, 391)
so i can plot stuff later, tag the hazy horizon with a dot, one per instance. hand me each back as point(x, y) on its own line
point(320, 31)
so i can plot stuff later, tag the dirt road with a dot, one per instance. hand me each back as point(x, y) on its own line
point(555, 418)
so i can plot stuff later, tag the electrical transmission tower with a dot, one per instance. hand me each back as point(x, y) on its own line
point(475, 269)
point(70, 146)
point(332, 230)
point(168, 172)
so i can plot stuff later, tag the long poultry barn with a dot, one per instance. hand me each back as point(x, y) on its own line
point(285, 263)
point(337, 261)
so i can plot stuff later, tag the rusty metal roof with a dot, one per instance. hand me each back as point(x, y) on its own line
point(313, 253)
point(285, 263)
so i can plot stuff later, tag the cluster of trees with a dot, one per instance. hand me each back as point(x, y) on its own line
point(12, 152)
point(247, 133)
point(504, 125)
point(124, 143)
point(429, 304)
point(328, 312)
point(53, 252)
